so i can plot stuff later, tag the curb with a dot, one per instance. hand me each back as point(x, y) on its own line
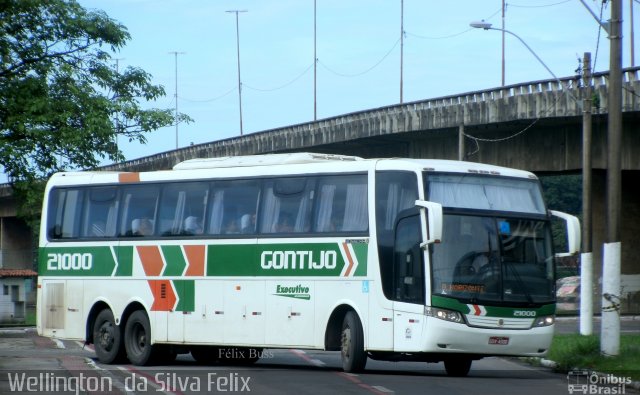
point(17, 330)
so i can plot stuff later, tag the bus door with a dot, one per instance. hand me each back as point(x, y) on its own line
point(408, 280)
point(243, 295)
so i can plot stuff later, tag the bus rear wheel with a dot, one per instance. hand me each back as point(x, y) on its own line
point(107, 338)
point(457, 367)
point(354, 358)
point(137, 339)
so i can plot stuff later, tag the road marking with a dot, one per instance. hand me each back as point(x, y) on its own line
point(58, 342)
point(375, 389)
point(303, 355)
point(382, 389)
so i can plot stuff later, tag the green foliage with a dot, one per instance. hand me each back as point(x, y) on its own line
point(583, 352)
point(562, 193)
point(62, 103)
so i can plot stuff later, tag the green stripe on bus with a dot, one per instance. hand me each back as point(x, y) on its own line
point(125, 261)
point(290, 259)
point(174, 258)
point(361, 250)
point(186, 290)
point(492, 311)
point(76, 261)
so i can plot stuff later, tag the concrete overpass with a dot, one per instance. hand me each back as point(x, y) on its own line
point(535, 126)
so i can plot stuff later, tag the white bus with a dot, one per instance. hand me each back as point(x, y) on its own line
point(389, 259)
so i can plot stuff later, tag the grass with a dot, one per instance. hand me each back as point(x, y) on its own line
point(575, 351)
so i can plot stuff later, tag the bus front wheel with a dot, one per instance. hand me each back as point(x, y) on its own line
point(457, 367)
point(107, 338)
point(354, 358)
point(137, 339)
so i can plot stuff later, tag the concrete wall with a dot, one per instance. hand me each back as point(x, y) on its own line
point(12, 308)
point(16, 244)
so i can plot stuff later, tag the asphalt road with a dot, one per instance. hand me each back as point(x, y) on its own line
point(43, 365)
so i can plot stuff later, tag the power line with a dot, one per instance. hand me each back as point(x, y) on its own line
point(514, 135)
point(539, 6)
point(281, 86)
point(212, 99)
point(363, 72)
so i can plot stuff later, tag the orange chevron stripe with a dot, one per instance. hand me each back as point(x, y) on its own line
point(164, 299)
point(128, 177)
point(195, 257)
point(151, 259)
point(349, 258)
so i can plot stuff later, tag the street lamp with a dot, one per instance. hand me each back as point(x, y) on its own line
point(487, 26)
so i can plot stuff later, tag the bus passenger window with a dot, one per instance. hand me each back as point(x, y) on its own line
point(138, 211)
point(182, 208)
point(287, 205)
point(64, 218)
point(100, 212)
point(341, 204)
point(233, 207)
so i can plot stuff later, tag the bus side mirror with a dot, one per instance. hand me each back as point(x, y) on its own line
point(573, 232)
point(434, 222)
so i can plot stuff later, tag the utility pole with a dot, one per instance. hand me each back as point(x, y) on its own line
point(175, 53)
point(610, 329)
point(461, 145)
point(315, 64)
point(586, 258)
point(631, 34)
point(503, 34)
point(401, 45)
point(238, 51)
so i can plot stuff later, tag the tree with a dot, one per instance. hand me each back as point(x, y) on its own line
point(62, 101)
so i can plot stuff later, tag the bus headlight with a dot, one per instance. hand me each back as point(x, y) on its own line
point(446, 315)
point(544, 320)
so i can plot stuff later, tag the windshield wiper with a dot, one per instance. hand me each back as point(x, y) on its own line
point(519, 280)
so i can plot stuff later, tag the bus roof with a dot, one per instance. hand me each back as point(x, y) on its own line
point(291, 163)
point(296, 158)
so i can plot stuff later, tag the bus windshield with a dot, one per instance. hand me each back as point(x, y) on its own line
point(486, 256)
point(492, 259)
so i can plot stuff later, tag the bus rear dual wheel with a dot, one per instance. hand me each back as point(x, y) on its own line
point(137, 342)
point(112, 345)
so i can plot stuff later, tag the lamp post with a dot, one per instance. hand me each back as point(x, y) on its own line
point(238, 51)
point(487, 26)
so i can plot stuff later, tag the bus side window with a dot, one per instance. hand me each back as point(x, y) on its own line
point(408, 265)
point(182, 209)
point(395, 192)
point(286, 207)
point(100, 214)
point(233, 208)
point(65, 215)
point(138, 210)
point(341, 204)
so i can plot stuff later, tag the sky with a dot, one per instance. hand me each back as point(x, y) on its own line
point(358, 55)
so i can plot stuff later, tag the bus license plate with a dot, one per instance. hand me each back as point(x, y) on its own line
point(501, 341)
